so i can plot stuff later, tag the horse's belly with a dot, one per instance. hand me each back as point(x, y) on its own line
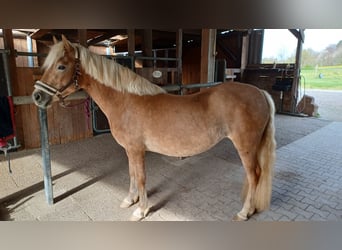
point(181, 146)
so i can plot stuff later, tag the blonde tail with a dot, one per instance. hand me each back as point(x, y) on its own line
point(266, 158)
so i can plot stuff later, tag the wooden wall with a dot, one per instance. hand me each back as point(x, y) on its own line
point(265, 77)
point(191, 65)
point(65, 124)
point(21, 45)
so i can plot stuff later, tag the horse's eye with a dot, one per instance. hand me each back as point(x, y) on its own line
point(61, 67)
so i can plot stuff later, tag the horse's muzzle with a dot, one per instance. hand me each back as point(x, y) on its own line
point(41, 99)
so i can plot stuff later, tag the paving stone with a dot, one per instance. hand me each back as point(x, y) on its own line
point(307, 180)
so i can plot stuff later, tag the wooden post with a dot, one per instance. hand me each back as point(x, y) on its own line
point(9, 45)
point(82, 37)
point(11, 74)
point(208, 53)
point(244, 54)
point(147, 46)
point(131, 46)
point(131, 42)
point(299, 34)
point(179, 53)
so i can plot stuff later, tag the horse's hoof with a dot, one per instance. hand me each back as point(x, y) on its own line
point(138, 214)
point(126, 203)
point(239, 217)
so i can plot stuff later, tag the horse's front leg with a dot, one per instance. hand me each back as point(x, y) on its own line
point(136, 159)
point(133, 195)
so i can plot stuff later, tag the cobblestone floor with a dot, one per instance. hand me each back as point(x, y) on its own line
point(91, 178)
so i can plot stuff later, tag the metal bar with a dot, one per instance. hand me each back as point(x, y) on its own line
point(21, 53)
point(4, 51)
point(22, 100)
point(200, 85)
point(30, 60)
point(157, 58)
point(44, 137)
point(172, 87)
point(176, 87)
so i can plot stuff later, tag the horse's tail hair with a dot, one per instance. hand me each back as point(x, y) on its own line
point(266, 158)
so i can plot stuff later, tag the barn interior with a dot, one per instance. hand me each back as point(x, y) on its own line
point(89, 173)
point(177, 60)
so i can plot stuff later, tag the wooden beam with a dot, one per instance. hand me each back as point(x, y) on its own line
point(225, 49)
point(244, 54)
point(40, 33)
point(147, 46)
point(12, 66)
point(208, 53)
point(299, 34)
point(82, 37)
point(179, 53)
point(101, 38)
point(12, 75)
point(131, 42)
point(300, 40)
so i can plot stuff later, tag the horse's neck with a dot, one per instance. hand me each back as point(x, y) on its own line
point(108, 99)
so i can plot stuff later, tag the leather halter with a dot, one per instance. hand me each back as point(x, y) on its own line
point(50, 90)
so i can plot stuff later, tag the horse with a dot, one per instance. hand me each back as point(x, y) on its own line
point(143, 117)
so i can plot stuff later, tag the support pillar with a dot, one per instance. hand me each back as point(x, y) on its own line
point(44, 138)
point(147, 47)
point(208, 53)
point(179, 53)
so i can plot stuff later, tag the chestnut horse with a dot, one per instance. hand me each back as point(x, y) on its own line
point(143, 117)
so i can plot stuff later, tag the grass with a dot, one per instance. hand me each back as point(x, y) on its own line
point(331, 77)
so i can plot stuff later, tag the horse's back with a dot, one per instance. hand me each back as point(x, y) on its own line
point(238, 100)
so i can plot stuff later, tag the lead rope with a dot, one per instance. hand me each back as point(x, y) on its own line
point(87, 111)
point(86, 105)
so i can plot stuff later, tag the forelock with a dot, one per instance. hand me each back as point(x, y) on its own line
point(56, 52)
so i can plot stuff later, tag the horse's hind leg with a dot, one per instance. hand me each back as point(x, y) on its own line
point(249, 161)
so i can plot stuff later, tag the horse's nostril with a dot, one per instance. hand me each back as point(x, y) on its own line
point(37, 97)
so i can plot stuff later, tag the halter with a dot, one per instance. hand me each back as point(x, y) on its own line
point(50, 90)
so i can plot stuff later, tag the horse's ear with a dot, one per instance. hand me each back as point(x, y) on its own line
point(54, 40)
point(66, 43)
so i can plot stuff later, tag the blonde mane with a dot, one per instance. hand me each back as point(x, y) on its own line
point(107, 72)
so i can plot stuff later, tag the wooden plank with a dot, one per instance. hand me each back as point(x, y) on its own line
point(131, 42)
point(179, 54)
point(9, 45)
point(27, 115)
point(147, 47)
point(300, 41)
point(244, 54)
point(40, 33)
point(82, 37)
point(101, 38)
point(208, 49)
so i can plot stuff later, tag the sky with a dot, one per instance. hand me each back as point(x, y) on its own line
point(277, 42)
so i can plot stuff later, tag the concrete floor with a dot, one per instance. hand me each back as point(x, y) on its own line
point(90, 179)
point(329, 103)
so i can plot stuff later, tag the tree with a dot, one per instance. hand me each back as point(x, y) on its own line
point(309, 58)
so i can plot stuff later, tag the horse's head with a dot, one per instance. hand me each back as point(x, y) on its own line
point(61, 72)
